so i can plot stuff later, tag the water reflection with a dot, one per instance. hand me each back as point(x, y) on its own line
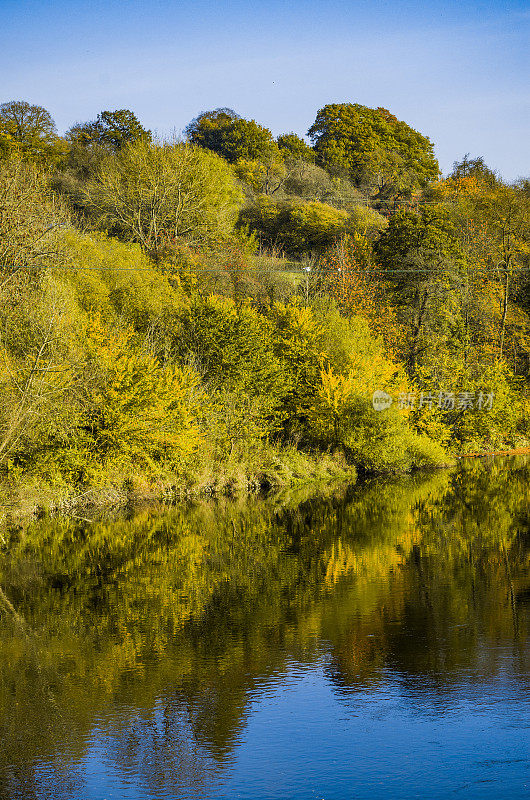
point(330, 648)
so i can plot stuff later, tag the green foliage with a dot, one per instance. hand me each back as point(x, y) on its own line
point(261, 176)
point(430, 233)
point(89, 145)
point(157, 194)
point(31, 218)
point(496, 416)
point(311, 225)
point(118, 280)
point(230, 346)
point(39, 369)
point(293, 225)
point(381, 441)
point(474, 168)
point(230, 136)
point(28, 131)
point(293, 147)
point(301, 227)
point(111, 130)
point(167, 344)
point(379, 152)
point(309, 181)
point(297, 343)
point(424, 267)
point(366, 221)
point(340, 413)
point(134, 409)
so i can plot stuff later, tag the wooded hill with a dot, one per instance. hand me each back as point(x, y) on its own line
point(216, 311)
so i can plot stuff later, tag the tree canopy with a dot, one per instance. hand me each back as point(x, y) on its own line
point(231, 136)
point(27, 129)
point(158, 193)
point(111, 129)
point(317, 281)
point(474, 168)
point(293, 146)
point(378, 151)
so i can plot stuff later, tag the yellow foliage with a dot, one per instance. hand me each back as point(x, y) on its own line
point(137, 407)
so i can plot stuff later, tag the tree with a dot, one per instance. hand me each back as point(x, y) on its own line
point(89, 143)
point(261, 177)
point(293, 147)
point(111, 130)
point(474, 168)
point(157, 194)
point(307, 180)
point(422, 263)
point(493, 220)
point(505, 214)
point(28, 129)
point(344, 273)
point(379, 152)
point(30, 218)
point(133, 406)
point(231, 136)
point(295, 225)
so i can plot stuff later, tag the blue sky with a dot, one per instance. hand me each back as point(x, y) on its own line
point(459, 72)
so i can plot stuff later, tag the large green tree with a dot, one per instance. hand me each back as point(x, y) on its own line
point(379, 152)
point(293, 147)
point(89, 143)
point(231, 136)
point(111, 129)
point(500, 239)
point(493, 223)
point(28, 131)
point(423, 265)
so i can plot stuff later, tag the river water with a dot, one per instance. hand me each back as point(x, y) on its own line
point(369, 643)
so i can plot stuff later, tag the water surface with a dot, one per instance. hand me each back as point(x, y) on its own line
point(370, 644)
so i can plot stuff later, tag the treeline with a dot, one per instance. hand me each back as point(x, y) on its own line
point(218, 310)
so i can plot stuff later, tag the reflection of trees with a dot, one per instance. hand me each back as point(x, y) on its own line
point(182, 615)
point(160, 747)
point(455, 592)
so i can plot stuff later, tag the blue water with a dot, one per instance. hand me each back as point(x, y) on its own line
point(368, 646)
point(304, 739)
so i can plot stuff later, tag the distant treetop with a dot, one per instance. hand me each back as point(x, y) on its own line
point(111, 129)
point(231, 136)
point(474, 168)
point(380, 153)
point(293, 146)
point(27, 129)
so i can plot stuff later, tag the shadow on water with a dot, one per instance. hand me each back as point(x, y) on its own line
point(141, 647)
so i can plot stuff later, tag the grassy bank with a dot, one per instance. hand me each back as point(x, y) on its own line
point(271, 469)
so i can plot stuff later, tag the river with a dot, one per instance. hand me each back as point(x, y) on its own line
point(371, 642)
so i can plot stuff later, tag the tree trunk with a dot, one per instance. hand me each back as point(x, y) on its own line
point(417, 330)
point(504, 311)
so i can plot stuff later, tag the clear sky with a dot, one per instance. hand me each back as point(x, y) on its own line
point(458, 72)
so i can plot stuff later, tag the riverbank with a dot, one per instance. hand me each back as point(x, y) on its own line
point(518, 451)
point(270, 469)
point(279, 469)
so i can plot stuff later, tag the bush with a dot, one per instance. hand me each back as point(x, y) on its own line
point(294, 225)
point(382, 441)
point(118, 280)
